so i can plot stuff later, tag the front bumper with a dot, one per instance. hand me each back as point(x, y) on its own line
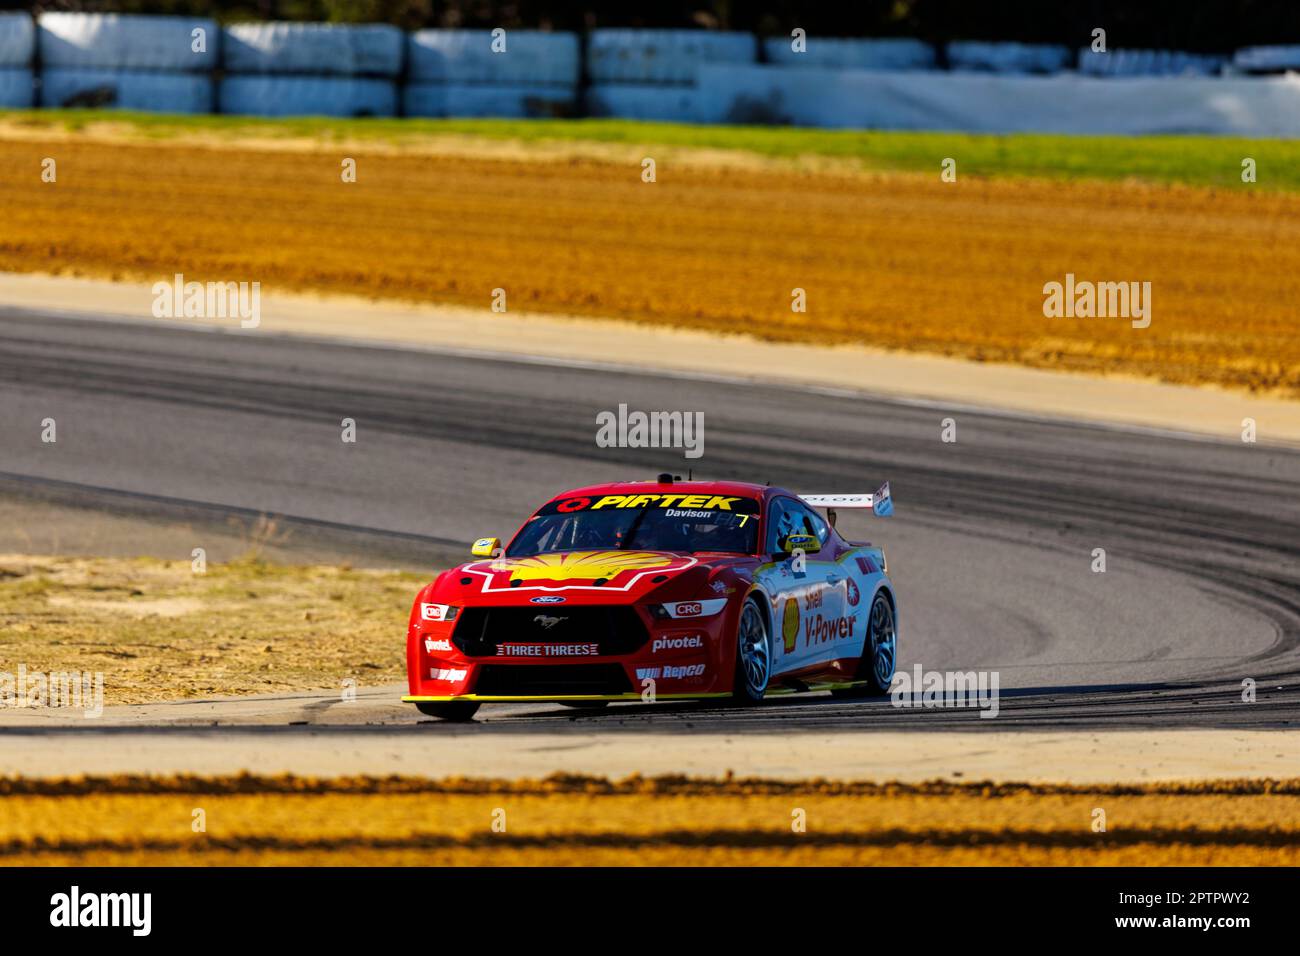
point(676, 659)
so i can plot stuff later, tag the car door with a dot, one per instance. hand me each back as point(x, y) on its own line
point(808, 592)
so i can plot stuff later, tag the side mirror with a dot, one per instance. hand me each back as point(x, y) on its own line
point(485, 547)
point(807, 543)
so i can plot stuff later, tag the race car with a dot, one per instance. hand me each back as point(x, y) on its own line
point(659, 590)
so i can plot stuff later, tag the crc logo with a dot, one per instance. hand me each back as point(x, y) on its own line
point(547, 622)
point(689, 609)
point(433, 612)
point(548, 599)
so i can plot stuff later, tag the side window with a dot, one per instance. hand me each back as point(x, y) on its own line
point(789, 517)
point(782, 519)
point(814, 524)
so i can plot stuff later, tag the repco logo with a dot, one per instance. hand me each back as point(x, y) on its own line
point(822, 630)
point(676, 643)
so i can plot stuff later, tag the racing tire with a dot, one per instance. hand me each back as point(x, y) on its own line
point(457, 711)
point(753, 655)
point(584, 704)
point(879, 654)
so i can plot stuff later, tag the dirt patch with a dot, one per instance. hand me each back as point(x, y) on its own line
point(166, 607)
point(894, 261)
point(157, 630)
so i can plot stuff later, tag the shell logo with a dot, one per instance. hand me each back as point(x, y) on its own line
point(790, 624)
point(583, 565)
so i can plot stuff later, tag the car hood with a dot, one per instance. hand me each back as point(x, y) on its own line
point(579, 577)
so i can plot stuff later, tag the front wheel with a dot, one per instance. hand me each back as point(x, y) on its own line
point(753, 655)
point(879, 653)
point(453, 710)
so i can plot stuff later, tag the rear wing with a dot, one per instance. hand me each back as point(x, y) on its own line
point(880, 502)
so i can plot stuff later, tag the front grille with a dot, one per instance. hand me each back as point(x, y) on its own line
point(551, 680)
point(616, 630)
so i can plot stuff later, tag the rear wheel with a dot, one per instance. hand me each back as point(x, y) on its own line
point(879, 653)
point(454, 710)
point(753, 655)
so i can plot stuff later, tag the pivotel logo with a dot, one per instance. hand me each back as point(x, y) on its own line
point(676, 643)
point(548, 599)
point(442, 645)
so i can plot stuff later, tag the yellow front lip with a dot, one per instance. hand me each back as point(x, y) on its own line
point(483, 698)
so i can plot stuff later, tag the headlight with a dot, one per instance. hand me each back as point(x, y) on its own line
point(438, 612)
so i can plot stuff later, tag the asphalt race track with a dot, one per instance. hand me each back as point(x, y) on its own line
point(990, 548)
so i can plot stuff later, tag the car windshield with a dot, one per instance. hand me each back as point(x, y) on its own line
point(650, 522)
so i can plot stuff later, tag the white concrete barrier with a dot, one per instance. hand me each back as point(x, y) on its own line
point(529, 57)
point(307, 96)
point(369, 49)
point(643, 101)
point(1148, 63)
point(126, 42)
point(1007, 57)
point(662, 56)
point(1260, 107)
point(17, 39)
point(478, 100)
point(841, 53)
point(17, 89)
point(127, 90)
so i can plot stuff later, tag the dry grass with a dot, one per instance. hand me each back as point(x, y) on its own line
point(893, 260)
point(252, 821)
point(158, 631)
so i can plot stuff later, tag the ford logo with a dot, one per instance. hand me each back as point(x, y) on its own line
point(548, 599)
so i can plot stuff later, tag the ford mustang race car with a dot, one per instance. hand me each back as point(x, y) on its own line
point(659, 590)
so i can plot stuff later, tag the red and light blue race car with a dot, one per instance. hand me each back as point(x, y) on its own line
point(659, 590)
